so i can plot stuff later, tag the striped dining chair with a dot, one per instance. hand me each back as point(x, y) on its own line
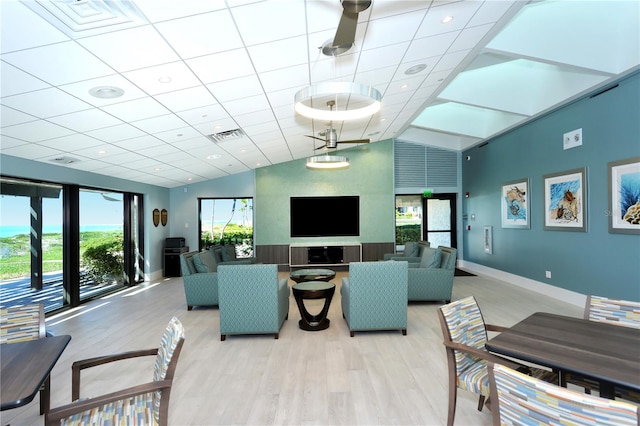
point(23, 323)
point(465, 336)
point(518, 399)
point(145, 404)
point(623, 313)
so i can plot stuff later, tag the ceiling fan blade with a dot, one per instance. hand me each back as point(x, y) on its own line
point(356, 141)
point(346, 32)
point(320, 147)
point(315, 137)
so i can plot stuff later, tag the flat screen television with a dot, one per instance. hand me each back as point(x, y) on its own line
point(337, 216)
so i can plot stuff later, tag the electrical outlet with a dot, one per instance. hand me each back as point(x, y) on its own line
point(547, 274)
point(572, 139)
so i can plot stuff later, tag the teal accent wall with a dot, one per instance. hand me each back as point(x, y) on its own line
point(370, 176)
point(592, 262)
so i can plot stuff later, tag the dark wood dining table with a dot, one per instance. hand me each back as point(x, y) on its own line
point(607, 353)
point(25, 367)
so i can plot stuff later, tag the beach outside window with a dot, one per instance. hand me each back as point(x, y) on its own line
point(227, 221)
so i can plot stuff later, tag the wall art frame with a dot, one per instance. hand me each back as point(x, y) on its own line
point(156, 217)
point(565, 201)
point(624, 196)
point(515, 211)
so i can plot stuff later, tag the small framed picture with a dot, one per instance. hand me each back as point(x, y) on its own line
point(565, 201)
point(624, 196)
point(515, 204)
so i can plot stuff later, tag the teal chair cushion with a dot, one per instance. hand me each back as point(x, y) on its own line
point(431, 258)
point(411, 249)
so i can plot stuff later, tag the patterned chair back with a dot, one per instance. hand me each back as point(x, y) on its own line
point(166, 361)
point(624, 313)
point(464, 324)
point(22, 323)
point(522, 399)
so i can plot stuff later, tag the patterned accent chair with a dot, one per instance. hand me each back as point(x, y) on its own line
point(432, 280)
point(23, 323)
point(252, 299)
point(413, 251)
point(465, 335)
point(374, 296)
point(623, 313)
point(146, 404)
point(519, 399)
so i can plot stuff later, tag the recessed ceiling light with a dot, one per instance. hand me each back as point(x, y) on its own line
point(415, 69)
point(157, 169)
point(447, 19)
point(189, 179)
point(243, 150)
point(258, 164)
point(404, 86)
point(214, 157)
point(102, 151)
point(165, 79)
point(106, 92)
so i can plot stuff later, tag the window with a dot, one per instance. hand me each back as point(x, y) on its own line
point(227, 221)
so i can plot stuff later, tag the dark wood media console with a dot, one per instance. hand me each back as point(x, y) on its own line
point(327, 255)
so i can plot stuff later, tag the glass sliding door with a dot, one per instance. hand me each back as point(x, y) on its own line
point(101, 242)
point(31, 255)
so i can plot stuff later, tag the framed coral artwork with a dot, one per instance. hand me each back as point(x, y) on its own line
point(624, 196)
point(515, 204)
point(565, 201)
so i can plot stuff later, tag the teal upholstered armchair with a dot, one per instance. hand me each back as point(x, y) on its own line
point(374, 296)
point(432, 280)
point(252, 299)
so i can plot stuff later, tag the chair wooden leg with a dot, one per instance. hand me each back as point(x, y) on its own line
point(453, 394)
point(404, 331)
point(223, 337)
point(352, 333)
point(480, 402)
point(276, 336)
point(189, 307)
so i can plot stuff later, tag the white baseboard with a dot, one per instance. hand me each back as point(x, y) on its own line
point(155, 275)
point(567, 296)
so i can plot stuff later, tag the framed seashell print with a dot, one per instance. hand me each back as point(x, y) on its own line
point(565, 201)
point(624, 196)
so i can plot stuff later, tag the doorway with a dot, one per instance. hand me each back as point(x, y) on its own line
point(431, 219)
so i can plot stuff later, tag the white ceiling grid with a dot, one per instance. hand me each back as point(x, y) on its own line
point(192, 68)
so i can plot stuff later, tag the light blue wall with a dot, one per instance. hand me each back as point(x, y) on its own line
point(592, 262)
point(154, 197)
point(370, 176)
point(183, 214)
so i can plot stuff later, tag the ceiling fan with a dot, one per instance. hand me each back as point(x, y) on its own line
point(346, 32)
point(330, 137)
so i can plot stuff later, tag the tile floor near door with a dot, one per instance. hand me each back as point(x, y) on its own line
point(303, 378)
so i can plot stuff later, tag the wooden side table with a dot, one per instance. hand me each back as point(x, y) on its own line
point(313, 290)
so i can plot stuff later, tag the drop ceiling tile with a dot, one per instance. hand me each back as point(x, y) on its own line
point(217, 126)
point(470, 37)
point(428, 47)
point(15, 17)
point(15, 81)
point(8, 142)
point(82, 88)
point(207, 114)
point(221, 66)
point(163, 10)
point(124, 158)
point(138, 143)
point(257, 117)
point(84, 121)
point(137, 109)
point(450, 61)
point(286, 78)
point(84, 65)
point(31, 153)
point(45, 103)
point(144, 48)
point(279, 54)
point(202, 34)
point(101, 152)
point(163, 78)
point(385, 8)
point(35, 131)
point(462, 12)
point(177, 135)
point(493, 11)
point(10, 116)
point(246, 105)
point(116, 133)
point(392, 30)
point(382, 57)
point(186, 99)
point(189, 144)
point(258, 128)
point(159, 124)
point(341, 68)
point(237, 88)
point(71, 142)
point(158, 150)
point(288, 22)
point(173, 157)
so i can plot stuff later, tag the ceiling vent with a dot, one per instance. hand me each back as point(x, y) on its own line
point(227, 135)
point(64, 160)
point(82, 18)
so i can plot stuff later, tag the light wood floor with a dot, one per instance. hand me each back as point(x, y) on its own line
point(304, 378)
